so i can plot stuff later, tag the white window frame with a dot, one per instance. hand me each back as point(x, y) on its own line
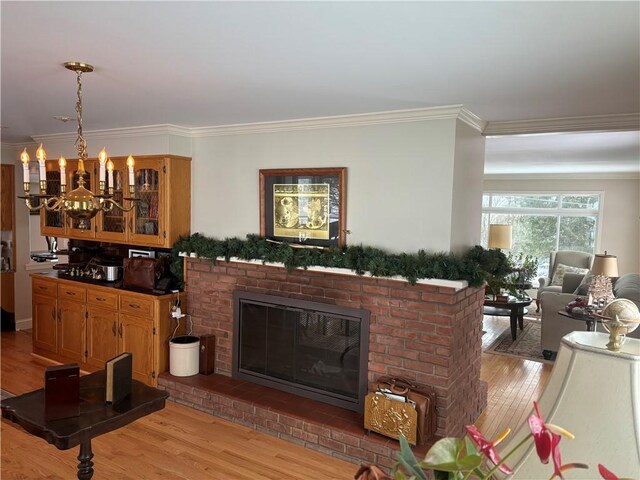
point(556, 212)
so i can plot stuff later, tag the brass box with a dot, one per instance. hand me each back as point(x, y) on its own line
point(390, 417)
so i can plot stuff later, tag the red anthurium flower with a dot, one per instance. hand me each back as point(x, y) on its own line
point(606, 474)
point(557, 461)
point(543, 435)
point(487, 448)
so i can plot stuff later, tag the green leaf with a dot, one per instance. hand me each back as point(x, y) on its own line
point(470, 446)
point(446, 455)
point(444, 452)
point(407, 459)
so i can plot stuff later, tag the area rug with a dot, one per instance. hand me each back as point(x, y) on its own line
point(526, 345)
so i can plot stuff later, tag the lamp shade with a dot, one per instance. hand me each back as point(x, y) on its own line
point(606, 265)
point(601, 422)
point(499, 236)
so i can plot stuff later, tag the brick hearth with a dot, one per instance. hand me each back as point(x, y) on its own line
point(428, 333)
point(316, 425)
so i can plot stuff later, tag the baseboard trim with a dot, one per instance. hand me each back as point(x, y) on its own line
point(24, 324)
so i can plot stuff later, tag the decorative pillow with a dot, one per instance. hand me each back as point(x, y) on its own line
point(561, 269)
point(628, 286)
point(583, 288)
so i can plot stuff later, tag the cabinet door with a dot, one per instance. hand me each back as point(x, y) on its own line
point(136, 336)
point(72, 329)
point(90, 183)
point(112, 225)
point(53, 223)
point(45, 325)
point(7, 203)
point(102, 337)
point(146, 218)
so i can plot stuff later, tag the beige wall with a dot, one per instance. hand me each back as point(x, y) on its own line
point(620, 229)
point(400, 179)
point(466, 209)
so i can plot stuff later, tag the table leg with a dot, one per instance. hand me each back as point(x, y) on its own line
point(513, 318)
point(521, 317)
point(590, 325)
point(85, 467)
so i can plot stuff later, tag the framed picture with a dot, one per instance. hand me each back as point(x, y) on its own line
point(304, 205)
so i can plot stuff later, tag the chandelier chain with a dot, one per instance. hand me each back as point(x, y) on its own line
point(80, 204)
point(81, 144)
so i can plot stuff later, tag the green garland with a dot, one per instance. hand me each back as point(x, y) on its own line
point(475, 266)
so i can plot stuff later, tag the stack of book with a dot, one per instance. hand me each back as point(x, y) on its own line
point(118, 373)
point(62, 392)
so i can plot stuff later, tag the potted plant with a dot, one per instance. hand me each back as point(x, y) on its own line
point(524, 269)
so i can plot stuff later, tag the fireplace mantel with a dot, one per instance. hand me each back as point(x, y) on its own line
point(438, 282)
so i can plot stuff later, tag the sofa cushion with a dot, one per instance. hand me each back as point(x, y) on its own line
point(628, 286)
point(583, 288)
point(561, 270)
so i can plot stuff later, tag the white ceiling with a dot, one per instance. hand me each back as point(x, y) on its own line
point(198, 64)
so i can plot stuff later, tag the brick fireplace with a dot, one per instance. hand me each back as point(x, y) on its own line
point(428, 332)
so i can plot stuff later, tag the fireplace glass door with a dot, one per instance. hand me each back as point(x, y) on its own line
point(314, 353)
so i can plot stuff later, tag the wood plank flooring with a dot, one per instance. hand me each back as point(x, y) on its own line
point(181, 443)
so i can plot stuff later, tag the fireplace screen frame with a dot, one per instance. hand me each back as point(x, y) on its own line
point(361, 315)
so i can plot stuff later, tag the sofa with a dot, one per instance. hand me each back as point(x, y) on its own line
point(556, 326)
point(571, 260)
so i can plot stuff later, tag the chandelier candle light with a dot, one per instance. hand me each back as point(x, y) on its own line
point(79, 203)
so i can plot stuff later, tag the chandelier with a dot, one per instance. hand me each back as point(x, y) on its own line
point(80, 203)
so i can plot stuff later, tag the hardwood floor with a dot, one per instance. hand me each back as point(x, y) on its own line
point(181, 443)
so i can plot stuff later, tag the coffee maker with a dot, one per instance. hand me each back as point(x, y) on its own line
point(52, 244)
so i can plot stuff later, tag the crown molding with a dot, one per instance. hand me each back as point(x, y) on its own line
point(17, 145)
point(627, 121)
point(126, 132)
point(361, 119)
point(377, 118)
point(564, 176)
point(623, 121)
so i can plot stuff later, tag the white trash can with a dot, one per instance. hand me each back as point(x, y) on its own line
point(184, 356)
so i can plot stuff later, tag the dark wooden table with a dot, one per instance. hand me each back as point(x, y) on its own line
point(588, 319)
point(514, 308)
point(96, 416)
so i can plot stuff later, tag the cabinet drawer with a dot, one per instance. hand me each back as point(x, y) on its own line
point(44, 287)
point(136, 306)
point(71, 292)
point(103, 299)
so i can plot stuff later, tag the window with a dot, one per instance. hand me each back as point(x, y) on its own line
point(544, 222)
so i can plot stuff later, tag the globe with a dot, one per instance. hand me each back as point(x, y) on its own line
point(623, 310)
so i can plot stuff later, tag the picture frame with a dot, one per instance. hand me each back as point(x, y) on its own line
point(305, 206)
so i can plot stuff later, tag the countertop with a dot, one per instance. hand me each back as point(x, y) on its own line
point(115, 285)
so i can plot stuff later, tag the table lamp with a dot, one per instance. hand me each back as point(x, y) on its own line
point(604, 267)
point(499, 236)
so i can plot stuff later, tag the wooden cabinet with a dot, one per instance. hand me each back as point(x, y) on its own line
point(7, 206)
point(58, 313)
point(71, 321)
point(162, 214)
point(102, 335)
point(44, 310)
point(136, 336)
point(91, 324)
